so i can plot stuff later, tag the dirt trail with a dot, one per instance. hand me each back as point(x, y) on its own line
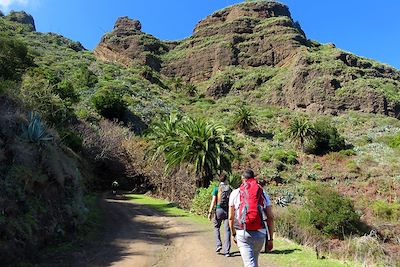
point(138, 236)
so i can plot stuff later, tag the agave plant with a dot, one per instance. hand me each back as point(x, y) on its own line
point(35, 131)
point(285, 200)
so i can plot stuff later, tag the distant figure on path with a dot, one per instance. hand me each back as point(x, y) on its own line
point(249, 209)
point(220, 200)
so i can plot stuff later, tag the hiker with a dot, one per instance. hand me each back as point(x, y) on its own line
point(220, 200)
point(250, 219)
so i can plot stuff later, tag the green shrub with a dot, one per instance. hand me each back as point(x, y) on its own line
point(290, 223)
point(326, 138)
point(386, 211)
point(202, 200)
point(284, 156)
point(329, 212)
point(71, 139)
point(14, 58)
point(317, 166)
point(395, 141)
point(38, 95)
point(66, 91)
point(109, 103)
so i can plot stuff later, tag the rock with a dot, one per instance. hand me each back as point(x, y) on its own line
point(220, 88)
point(128, 24)
point(22, 17)
point(128, 45)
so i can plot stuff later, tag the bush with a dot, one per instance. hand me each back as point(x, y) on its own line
point(368, 250)
point(201, 202)
point(395, 141)
point(14, 58)
point(66, 91)
point(329, 212)
point(109, 103)
point(38, 95)
point(386, 211)
point(326, 138)
point(284, 156)
point(71, 139)
point(289, 223)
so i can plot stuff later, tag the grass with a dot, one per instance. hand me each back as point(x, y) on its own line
point(286, 253)
point(168, 208)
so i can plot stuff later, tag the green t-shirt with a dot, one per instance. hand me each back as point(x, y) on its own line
point(215, 193)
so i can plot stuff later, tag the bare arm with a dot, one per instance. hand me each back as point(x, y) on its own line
point(231, 218)
point(270, 221)
point(212, 205)
point(269, 245)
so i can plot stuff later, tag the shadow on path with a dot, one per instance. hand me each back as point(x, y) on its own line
point(284, 251)
point(125, 223)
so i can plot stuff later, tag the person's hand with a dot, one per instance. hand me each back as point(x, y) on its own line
point(269, 246)
point(209, 216)
point(234, 239)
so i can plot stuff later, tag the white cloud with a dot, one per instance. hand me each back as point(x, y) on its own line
point(6, 4)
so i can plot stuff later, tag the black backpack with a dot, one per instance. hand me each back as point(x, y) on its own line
point(224, 191)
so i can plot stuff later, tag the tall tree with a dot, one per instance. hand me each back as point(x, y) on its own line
point(301, 130)
point(197, 142)
point(244, 120)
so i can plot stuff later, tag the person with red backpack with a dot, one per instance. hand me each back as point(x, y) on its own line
point(220, 200)
point(250, 219)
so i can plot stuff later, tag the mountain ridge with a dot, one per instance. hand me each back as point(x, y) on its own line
point(262, 34)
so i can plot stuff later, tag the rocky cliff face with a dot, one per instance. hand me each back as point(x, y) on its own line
point(128, 45)
point(255, 36)
point(252, 34)
point(23, 18)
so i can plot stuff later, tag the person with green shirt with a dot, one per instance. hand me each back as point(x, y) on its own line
point(220, 200)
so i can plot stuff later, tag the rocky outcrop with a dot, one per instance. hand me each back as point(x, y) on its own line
point(251, 34)
point(128, 45)
point(23, 18)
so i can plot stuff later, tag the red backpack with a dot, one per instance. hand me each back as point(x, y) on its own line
point(250, 208)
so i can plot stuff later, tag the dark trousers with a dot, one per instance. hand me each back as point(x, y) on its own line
point(221, 215)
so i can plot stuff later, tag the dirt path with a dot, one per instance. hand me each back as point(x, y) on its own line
point(138, 236)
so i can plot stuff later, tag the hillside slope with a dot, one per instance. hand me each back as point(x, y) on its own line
point(252, 55)
point(262, 37)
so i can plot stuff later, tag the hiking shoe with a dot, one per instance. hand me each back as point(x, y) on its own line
point(218, 249)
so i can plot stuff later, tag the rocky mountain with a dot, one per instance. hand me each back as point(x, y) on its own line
point(23, 18)
point(257, 46)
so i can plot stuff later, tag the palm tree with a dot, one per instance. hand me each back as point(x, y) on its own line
point(243, 119)
point(197, 142)
point(301, 130)
point(235, 180)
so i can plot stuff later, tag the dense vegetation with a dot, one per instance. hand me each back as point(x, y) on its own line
point(108, 122)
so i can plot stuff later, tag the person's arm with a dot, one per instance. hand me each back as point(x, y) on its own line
point(270, 224)
point(231, 218)
point(212, 205)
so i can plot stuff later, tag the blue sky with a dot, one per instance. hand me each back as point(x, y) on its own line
point(368, 28)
